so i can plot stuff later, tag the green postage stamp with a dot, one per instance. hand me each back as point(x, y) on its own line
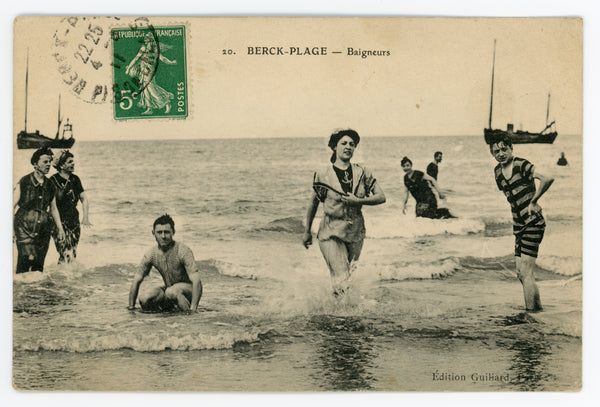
point(149, 72)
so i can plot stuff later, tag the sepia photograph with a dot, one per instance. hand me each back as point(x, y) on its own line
point(297, 204)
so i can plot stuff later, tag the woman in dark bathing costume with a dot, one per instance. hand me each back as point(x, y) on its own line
point(35, 197)
point(69, 191)
point(420, 187)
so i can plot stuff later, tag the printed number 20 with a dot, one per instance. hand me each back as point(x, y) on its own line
point(228, 52)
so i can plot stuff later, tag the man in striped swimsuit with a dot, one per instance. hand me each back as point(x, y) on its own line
point(515, 177)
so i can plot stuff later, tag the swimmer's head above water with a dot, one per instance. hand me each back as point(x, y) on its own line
point(335, 139)
point(39, 153)
point(502, 149)
point(163, 231)
point(41, 160)
point(62, 159)
point(165, 219)
point(406, 164)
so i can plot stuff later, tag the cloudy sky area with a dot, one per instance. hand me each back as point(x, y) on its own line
point(436, 80)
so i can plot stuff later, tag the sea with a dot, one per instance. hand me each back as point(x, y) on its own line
point(433, 305)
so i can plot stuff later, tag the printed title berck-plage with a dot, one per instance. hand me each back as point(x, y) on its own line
point(277, 50)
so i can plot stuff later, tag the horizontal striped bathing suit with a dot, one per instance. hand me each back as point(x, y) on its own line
point(519, 190)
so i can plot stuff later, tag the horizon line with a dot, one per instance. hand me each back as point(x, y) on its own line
point(287, 137)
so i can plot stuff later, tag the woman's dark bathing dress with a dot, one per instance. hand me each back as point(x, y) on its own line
point(426, 205)
point(68, 193)
point(33, 223)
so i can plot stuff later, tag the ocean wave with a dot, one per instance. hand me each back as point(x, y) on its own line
point(487, 268)
point(237, 207)
point(286, 225)
point(233, 270)
point(562, 265)
point(565, 218)
point(419, 270)
point(408, 226)
point(548, 266)
point(28, 278)
point(567, 323)
point(208, 266)
point(148, 342)
point(502, 267)
point(40, 293)
point(496, 227)
point(387, 227)
point(53, 273)
point(111, 270)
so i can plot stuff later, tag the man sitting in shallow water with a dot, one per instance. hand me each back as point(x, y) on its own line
point(175, 263)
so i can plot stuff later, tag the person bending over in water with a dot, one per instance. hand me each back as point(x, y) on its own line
point(343, 188)
point(175, 263)
point(515, 177)
point(419, 185)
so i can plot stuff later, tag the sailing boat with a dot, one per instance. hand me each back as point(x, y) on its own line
point(547, 136)
point(37, 140)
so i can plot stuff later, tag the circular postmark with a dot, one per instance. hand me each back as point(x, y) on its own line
point(83, 52)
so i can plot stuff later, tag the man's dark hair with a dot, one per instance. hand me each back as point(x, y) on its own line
point(502, 139)
point(405, 160)
point(40, 152)
point(165, 219)
point(437, 153)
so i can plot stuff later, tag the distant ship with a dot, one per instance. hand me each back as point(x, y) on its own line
point(546, 136)
point(63, 139)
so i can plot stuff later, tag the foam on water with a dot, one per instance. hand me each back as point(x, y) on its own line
point(566, 266)
point(411, 226)
point(235, 270)
point(559, 323)
point(418, 270)
point(380, 227)
point(141, 342)
point(69, 272)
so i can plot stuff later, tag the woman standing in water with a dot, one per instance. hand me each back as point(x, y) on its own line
point(36, 203)
point(69, 192)
point(343, 188)
point(420, 187)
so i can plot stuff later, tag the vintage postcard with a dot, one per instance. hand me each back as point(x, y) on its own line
point(297, 204)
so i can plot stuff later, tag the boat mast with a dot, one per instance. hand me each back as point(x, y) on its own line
point(26, 84)
point(492, 92)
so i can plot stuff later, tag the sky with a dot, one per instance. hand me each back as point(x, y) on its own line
point(460, 112)
point(435, 81)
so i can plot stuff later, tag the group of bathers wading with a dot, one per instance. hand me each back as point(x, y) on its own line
point(48, 207)
point(344, 187)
